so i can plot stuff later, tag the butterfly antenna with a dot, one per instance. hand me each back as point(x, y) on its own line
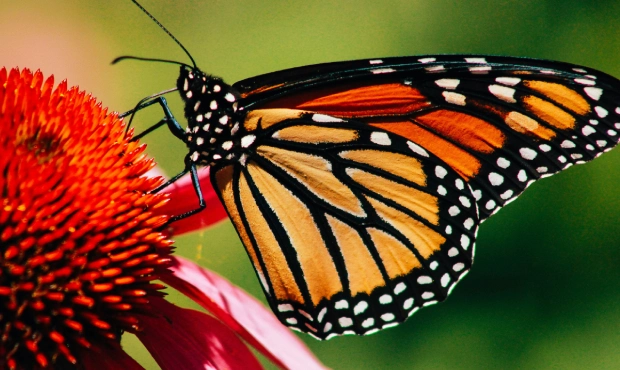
point(165, 30)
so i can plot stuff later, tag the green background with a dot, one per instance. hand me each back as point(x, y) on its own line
point(543, 292)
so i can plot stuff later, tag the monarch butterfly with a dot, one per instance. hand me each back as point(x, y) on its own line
point(357, 188)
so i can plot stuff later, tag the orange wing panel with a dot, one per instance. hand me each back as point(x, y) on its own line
point(460, 160)
point(358, 101)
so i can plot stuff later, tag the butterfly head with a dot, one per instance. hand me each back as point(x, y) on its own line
point(213, 116)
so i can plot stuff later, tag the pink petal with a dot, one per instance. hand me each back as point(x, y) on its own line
point(183, 199)
point(242, 313)
point(105, 357)
point(181, 338)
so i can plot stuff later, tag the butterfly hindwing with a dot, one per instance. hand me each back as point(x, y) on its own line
point(350, 228)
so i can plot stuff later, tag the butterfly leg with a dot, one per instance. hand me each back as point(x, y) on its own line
point(191, 168)
point(173, 125)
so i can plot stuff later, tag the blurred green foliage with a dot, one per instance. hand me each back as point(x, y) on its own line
point(543, 292)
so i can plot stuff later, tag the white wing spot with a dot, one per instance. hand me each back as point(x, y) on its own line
point(448, 229)
point(285, 307)
point(440, 172)
point(322, 314)
point(388, 317)
point(468, 223)
point(593, 92)
point(223, 120)
point(459, 184)
point(448, 83)
point(465, 201)
point(545, 169)
point(185, 85)
point(434, 265)
point(522, 176)
point(475, 60)
point(291, 320)
point(200, 141)
point(247, 140)
point(445, 280)
point(453, 252)
point(588, 130)
point(345, 322)
point(490, 204)
point(213, 105)
point(503, 162)
point(458, 266)
point(601, 112)
point(360, 307)
point(441, 190)
point(465, 241)
point(510, 81)
point(496, 179)
point(189, 94)
point(454, 98)
point(527, 153)
point(382, 70)
point(507, 194)
point(227, 145)
point(567, 144)
point(385, 299)
point(427, 60)
point(601, 143)
point(217, 88)
point(324, 118)
point(229, 97)
point(408, 303)
point(424, 280)
point(503, 93)
point(428, 295)
point(369, 322)
point(341, 305)
point(376, 61)
point(544, 147)
point(479, 70)
point(434, 69)
point(454, 210)
point(417, 149)
point(399, 288)
point(380, 138)
point(611, 133)
point(585, 81)
point(477, 194)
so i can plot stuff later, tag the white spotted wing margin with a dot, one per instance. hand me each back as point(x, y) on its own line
point(350, 229)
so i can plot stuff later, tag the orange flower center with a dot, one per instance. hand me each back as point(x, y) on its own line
point(79, 243)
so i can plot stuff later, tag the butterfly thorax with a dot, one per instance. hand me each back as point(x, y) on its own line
point(213, 117)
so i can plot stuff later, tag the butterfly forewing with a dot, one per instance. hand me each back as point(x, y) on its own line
point(501, 123)
point(350, 228)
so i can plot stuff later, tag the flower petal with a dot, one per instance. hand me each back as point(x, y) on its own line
point(242, 313)
point(183, 199)
point(105, 357)
point(188, 339)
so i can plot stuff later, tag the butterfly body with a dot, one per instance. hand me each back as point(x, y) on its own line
point(213, 116)
point(357, 188)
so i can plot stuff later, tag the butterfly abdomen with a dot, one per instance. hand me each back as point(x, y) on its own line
point(213, 117)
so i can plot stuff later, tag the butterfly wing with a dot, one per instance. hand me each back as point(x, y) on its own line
point(364, 182)
point(501, 123)
point(350, 228)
